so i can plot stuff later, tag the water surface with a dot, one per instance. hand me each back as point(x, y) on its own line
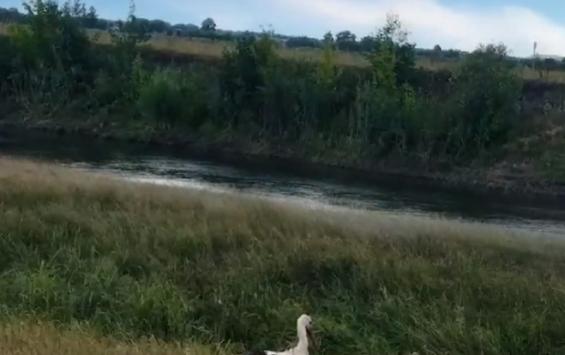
point(274, 179)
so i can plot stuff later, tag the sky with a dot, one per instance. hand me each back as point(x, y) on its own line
point(458, 24)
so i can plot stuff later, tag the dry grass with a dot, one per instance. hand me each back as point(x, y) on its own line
point(214, 49)
point(36, 338)
point(364, 224)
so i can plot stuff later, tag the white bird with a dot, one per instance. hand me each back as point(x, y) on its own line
point(303, 329)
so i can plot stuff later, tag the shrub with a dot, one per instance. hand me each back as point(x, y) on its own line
point(484, 102)
point(173, 97)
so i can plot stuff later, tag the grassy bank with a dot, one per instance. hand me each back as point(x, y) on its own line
point(136, 261)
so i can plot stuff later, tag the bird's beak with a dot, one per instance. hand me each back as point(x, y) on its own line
point(312, 338)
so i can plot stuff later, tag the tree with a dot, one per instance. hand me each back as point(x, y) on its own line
point(329, 39)
point(368, 43)
point(437, 53)
point(345, 40)
point(128, 35)
point(486, 92)
point(159, 26)
point(53, 37)
point(208, 25)
point(91, 18)
point(297, 42)
point(11, 15)
point(393, 56)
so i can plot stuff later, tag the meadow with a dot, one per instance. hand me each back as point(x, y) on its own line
point(97, 263)
point(214, 49)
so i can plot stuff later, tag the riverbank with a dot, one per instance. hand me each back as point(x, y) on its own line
point(512, 179)
point(136, 261)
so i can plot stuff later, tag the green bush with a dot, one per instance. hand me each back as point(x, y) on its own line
point(484, 101)
point(7, 54)
point(173, 97)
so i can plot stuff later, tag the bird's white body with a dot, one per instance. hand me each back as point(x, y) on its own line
point(303, 325)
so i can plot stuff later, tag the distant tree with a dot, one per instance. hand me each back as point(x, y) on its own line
point(208, 25)
point(452, 53)
point(11, 15)
point(345, 40)
point(368, 43)
point(437, 52)
point(91, 18)
point(75, 8)
point(296, 42)
point(329, 38)
point(550, 63)
point(159, 26)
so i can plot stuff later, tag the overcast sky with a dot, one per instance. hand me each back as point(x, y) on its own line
point(461, 24)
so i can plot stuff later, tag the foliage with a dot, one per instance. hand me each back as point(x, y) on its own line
point(208, 25)
point(345, 40)
point(393, 57)
point(52, 59)
point(127, 36)
point(486, 92)
point(390, 109)
point(243, 76)
point(173, 97)
point(53, 38)
point(302, 42)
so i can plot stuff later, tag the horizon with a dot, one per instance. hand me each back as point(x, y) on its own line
point(458, 24)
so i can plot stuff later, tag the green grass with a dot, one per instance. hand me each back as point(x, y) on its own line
point(137, 261)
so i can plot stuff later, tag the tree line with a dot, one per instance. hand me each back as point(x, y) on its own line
point(344, 40)
point(208, 29)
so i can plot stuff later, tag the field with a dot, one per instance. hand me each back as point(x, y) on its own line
point(114, 264)
point(214, 49)
point(204, 48)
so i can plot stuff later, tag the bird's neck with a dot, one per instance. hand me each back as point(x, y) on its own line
point(302, 340)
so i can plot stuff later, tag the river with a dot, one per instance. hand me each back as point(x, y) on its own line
point(169, 166)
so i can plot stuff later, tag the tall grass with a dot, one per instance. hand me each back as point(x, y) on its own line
point(138, 261)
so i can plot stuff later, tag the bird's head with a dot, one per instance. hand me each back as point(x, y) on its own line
point(305, 322)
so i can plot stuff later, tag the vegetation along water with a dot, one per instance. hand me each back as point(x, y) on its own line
point(475, 120)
